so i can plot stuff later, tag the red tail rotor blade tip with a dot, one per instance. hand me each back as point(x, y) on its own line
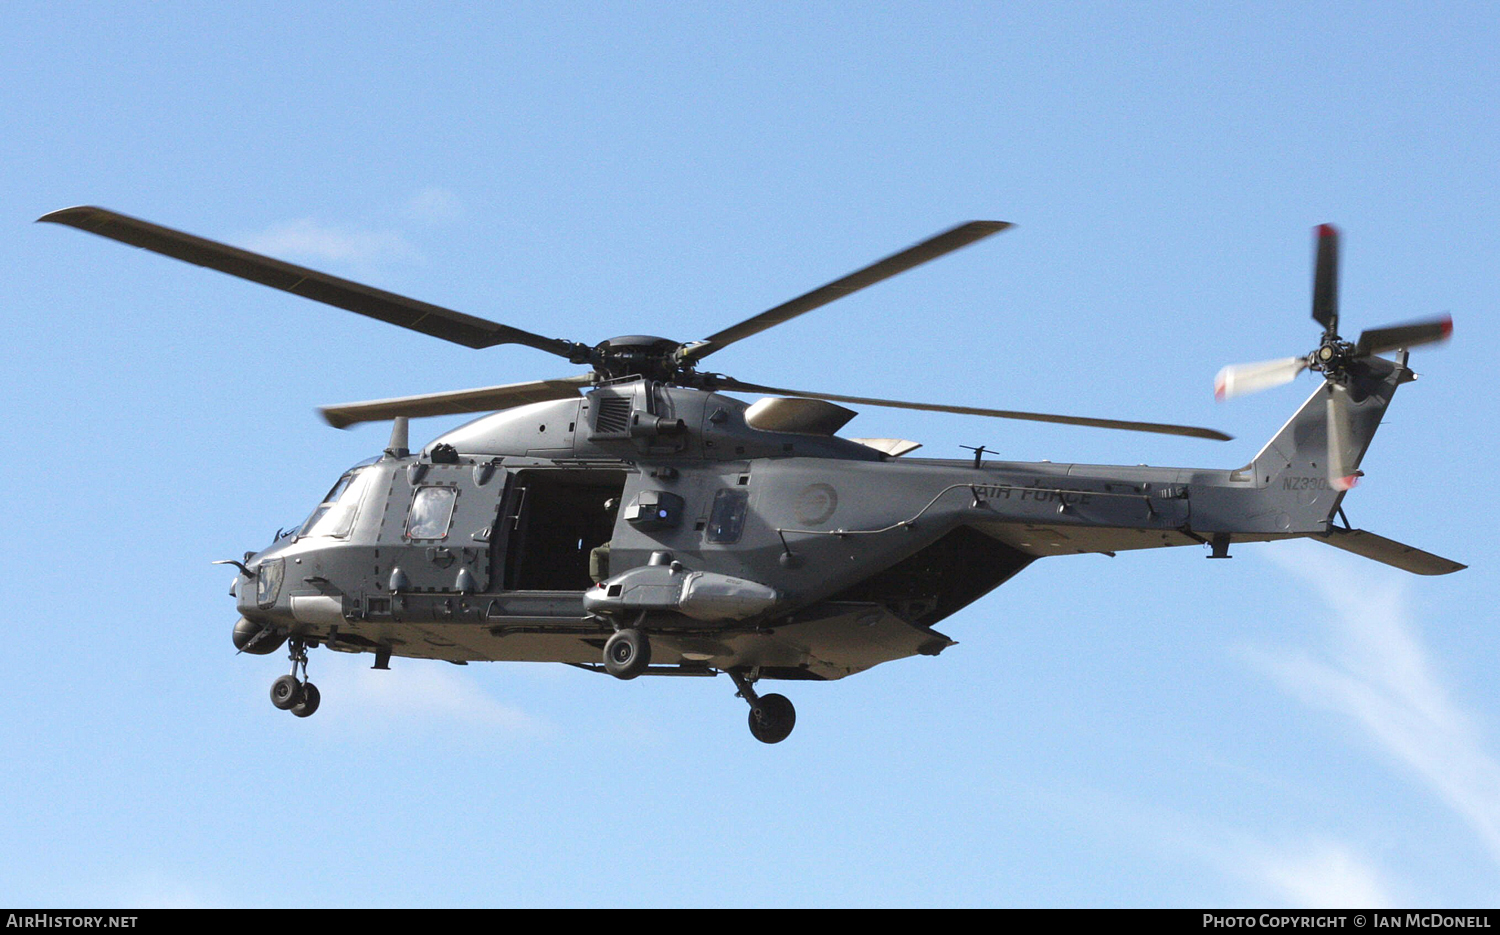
point(1346, 483)
point(1327, 230)
point(1448, 326)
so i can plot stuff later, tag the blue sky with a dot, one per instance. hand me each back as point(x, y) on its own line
point(1293, 727)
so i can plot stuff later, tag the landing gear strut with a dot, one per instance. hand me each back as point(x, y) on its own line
point(772, 717)
point(289, 693)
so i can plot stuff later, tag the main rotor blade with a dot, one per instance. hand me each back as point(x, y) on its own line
point(458, 401)
point(1325, 303)
point(429, 319)
point(1381, 340)
point(916, 255)
point(1242, 379)
point(1341, 472)
point(1155, 427)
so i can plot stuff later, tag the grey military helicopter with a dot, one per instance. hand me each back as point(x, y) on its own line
point(636, 520)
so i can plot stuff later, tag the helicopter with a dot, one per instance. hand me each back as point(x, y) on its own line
point(636, 520)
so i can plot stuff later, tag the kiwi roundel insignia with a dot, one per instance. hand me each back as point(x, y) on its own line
point(816, 504)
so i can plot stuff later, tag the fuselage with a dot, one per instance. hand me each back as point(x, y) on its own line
point(741, 537)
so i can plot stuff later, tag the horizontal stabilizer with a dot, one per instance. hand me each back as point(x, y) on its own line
point(1390, 552)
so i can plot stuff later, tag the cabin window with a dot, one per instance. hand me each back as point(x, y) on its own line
point(335, 515)
point(431, 512)
point(727, 520)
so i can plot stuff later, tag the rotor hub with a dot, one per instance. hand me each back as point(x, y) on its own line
point(637, 355)
point(1332, 358)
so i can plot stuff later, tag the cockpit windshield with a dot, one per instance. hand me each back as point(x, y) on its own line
point(335, 515)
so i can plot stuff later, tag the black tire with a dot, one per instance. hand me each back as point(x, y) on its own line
point(772, 718)
point(309, 702)
point(627, 654)
point(286, 692)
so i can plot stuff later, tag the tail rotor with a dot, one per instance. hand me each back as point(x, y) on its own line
point(1339, 361)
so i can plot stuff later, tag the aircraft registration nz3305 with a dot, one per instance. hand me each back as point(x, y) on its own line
point(636, 520)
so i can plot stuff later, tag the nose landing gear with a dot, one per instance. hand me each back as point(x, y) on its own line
point(289, 693)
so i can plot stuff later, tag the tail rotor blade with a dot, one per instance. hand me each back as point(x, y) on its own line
point(1325, 304)
point(1381, 340)
point(1341, 472)
point(1240, 379)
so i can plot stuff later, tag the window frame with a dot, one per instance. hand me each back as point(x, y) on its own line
point(451, 493)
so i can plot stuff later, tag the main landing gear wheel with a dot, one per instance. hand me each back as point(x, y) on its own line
point(286, 692)
point(309, 702)
point(627, 654)
point(772, 718)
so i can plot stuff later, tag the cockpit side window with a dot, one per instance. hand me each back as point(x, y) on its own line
point(431, 512)
point(334, 517)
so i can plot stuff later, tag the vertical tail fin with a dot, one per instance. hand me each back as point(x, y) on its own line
point(1293, 468)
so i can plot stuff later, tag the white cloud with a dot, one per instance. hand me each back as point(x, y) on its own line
point(1376, 671)
point(428, 692)
point(309, 239)
point(434, 206)
point(1371, 667)
point(157, 889)
point(1316, 874)
point(357, 244)
point(1301, 870)
point(1307, 872)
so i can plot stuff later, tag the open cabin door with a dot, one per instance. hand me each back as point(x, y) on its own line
point(550, 521)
